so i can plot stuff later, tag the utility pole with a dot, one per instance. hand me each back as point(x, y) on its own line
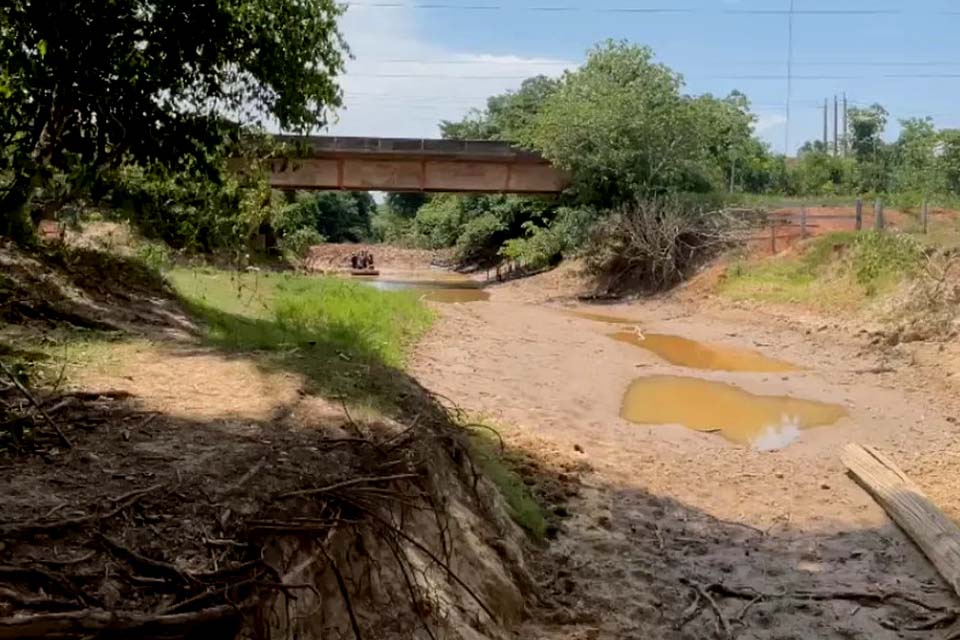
point(826, 131)
point(786, 135)
point(846, 131)
point(836, 123)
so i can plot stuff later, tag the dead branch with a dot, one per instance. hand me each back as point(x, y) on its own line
point(440, 563)
point(93, 622)
point(935, 623)
point(149, 566)
point(690, 612)
point(254, 470)
point(64, 563)
point(723, 623)
point(342, 585)
point(347, 483)
point(34, 603)
point(16, 530)
point(41, 577)
point(863, 597)
point(33, 401)
point(478, 425)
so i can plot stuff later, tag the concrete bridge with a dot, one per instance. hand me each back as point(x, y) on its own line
point(408, 164)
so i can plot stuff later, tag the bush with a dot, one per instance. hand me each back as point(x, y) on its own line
point(653, 244)
point(878, 258)
point(544, 246)
point(475, 235)
point(296, 244)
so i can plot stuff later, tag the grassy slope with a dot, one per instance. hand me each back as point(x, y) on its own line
point(837, 271)
point(347, 339)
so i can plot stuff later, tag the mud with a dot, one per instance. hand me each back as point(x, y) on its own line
point(667, 512)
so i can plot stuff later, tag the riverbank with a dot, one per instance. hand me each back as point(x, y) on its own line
point(664, 508)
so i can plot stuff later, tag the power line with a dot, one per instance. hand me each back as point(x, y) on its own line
point(568, 63)
point(637, 9)
point(777, 77)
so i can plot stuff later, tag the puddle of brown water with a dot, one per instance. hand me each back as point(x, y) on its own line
point(448, 291)
point(764, 423)
point(599, 317)
point(698, 355)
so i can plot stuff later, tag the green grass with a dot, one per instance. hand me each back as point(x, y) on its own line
point(346, 339)
point(842, 270)
point(522, 506)
point(254, 311)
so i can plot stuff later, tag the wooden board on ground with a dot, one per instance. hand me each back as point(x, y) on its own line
point(936, 535)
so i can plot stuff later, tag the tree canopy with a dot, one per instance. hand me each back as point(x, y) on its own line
point(88, 85)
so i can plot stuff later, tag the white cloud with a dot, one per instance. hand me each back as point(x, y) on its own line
point(400, 84)
point(767, 120)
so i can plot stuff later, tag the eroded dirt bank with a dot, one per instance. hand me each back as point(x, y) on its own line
point(681, 534)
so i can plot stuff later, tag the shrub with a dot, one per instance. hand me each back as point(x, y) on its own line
point(296, 244)
point(653, 244)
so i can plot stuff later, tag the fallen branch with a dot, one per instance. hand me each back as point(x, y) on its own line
point(347, 483)
point(33, 401)
point(128, 499)
point(862, 597)
point(723, 623)
point(93, 622)
point(149, 566)
point(342, 585)
point(244, 479)
point(31, 602)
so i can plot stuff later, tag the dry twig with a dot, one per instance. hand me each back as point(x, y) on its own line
point(33, 401)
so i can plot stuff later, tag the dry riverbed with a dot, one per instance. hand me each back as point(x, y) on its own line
point(680, 533)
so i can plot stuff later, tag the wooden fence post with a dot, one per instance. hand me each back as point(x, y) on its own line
point(773, 235)
point(925, 215)
point(859, 224)
point(878, 221)
point(803, 223)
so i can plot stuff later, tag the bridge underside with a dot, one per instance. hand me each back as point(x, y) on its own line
point(400, 164)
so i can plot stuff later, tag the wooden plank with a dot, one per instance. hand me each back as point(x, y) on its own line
point(929, 528)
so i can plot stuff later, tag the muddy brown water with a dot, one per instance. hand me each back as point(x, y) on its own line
point(764, 423)
point(446, 291)
point(698, 355)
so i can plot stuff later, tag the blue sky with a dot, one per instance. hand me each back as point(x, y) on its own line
point(420, 61)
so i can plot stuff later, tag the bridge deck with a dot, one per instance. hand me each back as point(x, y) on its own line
point(408, 164)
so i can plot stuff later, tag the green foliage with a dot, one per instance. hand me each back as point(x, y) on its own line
point(475, 236)
point(296, 244)
point(543, 246)
point(622, 128)
point(438, 222)
point(283, 311)
point(841, 270)
point(819, 173)
point(90, 86)
point(155, 255)
point(338, 216)
point(507, 115)
point(406, 204)
point(522, 506)
point(187, 209)
point(878, 259)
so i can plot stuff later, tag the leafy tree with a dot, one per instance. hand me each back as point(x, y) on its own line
point(406, 204)
point(90, 85)
point(507, 115)
point(619, 125)
point(917, 164)
point(866, 131)
point(949, 156)
point(338, 216)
